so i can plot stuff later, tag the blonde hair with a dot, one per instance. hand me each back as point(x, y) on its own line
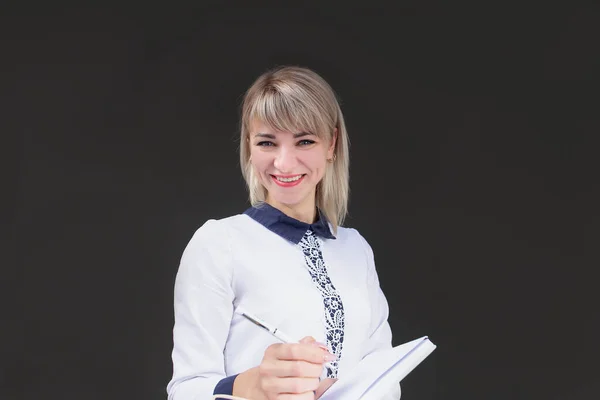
point(292, 99)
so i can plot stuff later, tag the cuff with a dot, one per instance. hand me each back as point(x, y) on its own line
point(225, 385)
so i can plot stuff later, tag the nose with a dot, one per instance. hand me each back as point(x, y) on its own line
point(286, 160)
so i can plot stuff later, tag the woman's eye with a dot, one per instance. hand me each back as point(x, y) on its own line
point(306, 142)
point(265, 143)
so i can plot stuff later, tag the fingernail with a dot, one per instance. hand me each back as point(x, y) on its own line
point(329, 357)
point(321, 345)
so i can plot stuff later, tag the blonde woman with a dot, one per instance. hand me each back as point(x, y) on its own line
point(287, 259)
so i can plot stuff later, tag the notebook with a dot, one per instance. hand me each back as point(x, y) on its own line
point(375, 374)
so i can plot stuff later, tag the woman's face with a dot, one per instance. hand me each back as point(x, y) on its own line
point(289, 165)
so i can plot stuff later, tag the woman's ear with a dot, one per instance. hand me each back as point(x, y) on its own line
point(331, 149)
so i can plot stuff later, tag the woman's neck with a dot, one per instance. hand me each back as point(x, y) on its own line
point(306, 213)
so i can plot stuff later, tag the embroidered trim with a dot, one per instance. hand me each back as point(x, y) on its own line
point(334, 309)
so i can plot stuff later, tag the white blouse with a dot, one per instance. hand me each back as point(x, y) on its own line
point(239, 262)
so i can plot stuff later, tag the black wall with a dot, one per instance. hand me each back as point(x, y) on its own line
point(474, 177)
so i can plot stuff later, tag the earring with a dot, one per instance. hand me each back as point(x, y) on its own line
point(332, 159)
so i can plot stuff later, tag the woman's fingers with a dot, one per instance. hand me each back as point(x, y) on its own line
point(313, 341)
point(291, 385)
point(292, 368)
point(303, 396)
point(300, 351)
point(308, 339)
point(323, 386)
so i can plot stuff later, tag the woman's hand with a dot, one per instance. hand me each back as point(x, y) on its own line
point(323, 386)
point(287, 371)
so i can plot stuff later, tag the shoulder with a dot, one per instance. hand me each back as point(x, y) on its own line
point(218, 226)
point(222, 231)
point(350, 236)
point(211, 244)
point(214, 233)
point(353, 239)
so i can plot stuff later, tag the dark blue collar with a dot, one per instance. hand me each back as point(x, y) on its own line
point(287, 227)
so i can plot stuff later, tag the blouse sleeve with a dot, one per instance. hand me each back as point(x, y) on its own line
point(203, 309)
point(380, 331)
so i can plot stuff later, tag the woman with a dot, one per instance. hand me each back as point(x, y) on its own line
point(286, 260)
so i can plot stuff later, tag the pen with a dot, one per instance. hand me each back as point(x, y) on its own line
point(272, 330)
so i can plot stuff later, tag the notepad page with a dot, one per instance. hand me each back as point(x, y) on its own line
point(399, 371)
point(376, 373)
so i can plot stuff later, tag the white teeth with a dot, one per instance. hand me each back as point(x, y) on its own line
point(288, 179)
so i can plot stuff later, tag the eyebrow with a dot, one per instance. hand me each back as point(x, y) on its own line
point(272, 136)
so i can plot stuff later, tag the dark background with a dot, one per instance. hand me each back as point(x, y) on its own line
point(474, 177)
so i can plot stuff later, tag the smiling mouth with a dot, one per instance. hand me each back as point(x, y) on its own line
point(288, 181)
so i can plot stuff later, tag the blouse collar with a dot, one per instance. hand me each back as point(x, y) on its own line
point(287, 227)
